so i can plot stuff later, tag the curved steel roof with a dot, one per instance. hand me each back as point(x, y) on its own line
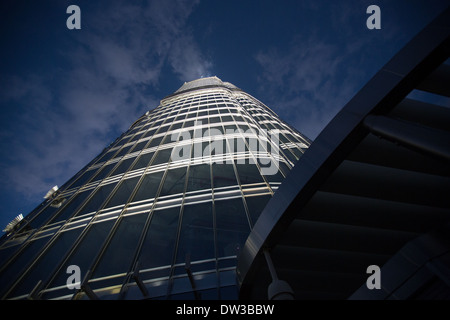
point(376, 178)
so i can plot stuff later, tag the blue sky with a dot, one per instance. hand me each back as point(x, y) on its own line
point(66, 94)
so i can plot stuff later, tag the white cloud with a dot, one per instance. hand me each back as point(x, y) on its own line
point(306, 84)
point(309, 81)
point(186, 59)
point(132, 42)
point(115, 61)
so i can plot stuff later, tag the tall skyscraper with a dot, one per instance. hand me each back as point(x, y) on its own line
point(163, 211)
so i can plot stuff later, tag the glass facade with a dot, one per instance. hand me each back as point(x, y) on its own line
point(164, 210)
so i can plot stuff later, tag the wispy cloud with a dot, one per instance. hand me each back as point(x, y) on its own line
point(114, 65)
point(307, 85)
point(187, 61)
point(315, 76)
point(176, 41)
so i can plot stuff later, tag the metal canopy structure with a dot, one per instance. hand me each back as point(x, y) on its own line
point(370, 190)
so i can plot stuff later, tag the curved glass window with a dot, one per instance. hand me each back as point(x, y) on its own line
point(199, 177)
point(143, 161)
point(197, 233)
point(159, 243)
point(84, 178)
point(51, 257)
point(9, 274)
point(149, 186)
point(123, 193)
point(223, 175)
point(95, 203)
point(174, 181)
point(118, 256)
point(68, 211)
point(83, 256)
point(162, 156)
point(256, 205)
point(248, 173)
point(231, 226)
point(104, 171)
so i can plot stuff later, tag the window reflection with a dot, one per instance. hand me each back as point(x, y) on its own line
point(149, 186)
point(223, 175)
point(248, 173)
point(256, 205)
point(143, 161)
point(84, 178)
point(162, 156)
point(9, 274)
point(197, 233)
point(118, 256)
point(104, 171)
point(159, 244)
point(174, 181)
point(123, 166)
point(95, 203)
point(51, 257)
point(84, 255)
point(232, 226)
point(199, 177)
point(67, 211)
point(123, 193)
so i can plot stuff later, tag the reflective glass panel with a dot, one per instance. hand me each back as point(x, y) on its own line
point(149, 186)
point(43, 216)
point(248, 173)
point(84, 178)
point(10, 274)
point(123, 193)
point(48, 261)
point(84, 254)
point(256, 205)
point(199, 177)
point(159, 244)
point(71, 207)
point(123, 151)
point(155, 142)
point(139, 146)
point(174, 181)
point(104, 171)
point(197, 233)
point(143, 161)
point(232, 226)
point(120, 251)
point(162, 156)
point(223, 175)
point(97, 199)
point(123, 166)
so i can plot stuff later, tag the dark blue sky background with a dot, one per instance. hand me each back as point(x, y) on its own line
point(66, 94)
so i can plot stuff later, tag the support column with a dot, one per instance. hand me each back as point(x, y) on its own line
point(278, 289)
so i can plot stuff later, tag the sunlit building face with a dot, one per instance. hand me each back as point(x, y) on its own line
point(164, 210)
